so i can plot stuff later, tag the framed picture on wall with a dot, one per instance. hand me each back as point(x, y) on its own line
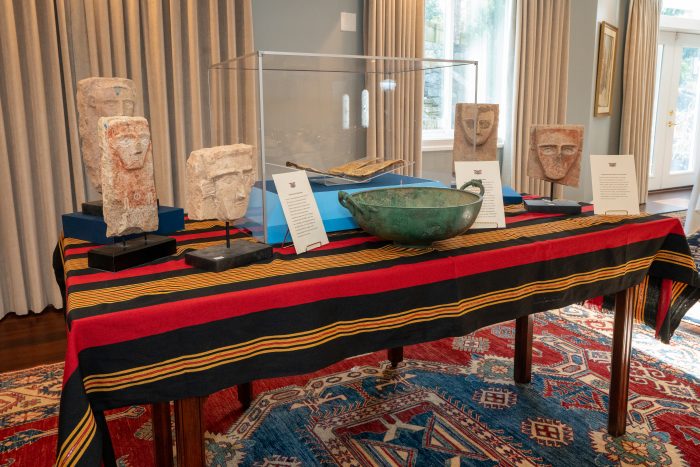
point(605, 77)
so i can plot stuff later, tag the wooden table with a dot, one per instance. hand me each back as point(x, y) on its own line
point(356, 295)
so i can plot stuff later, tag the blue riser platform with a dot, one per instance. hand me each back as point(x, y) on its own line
point(335, 217)
point(94, 230)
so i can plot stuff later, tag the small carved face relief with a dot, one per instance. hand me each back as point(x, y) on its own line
point(557, 151)
point(231, 180)
point(480, 129)
point(132, 149)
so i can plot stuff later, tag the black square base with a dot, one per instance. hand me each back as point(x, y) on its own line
point(92, 208)
point(219, 258)
point(558, 206)
point(137, 251)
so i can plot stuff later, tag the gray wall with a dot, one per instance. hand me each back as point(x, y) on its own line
point(306, 26)
point(601, 134)
point(303, 108)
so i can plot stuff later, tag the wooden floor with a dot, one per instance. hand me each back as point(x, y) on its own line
point(32, 340)
point(667, 201)
point(36, 339)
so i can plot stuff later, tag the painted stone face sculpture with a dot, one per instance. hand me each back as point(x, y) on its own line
point(476, 132)
point(219, 181)
point(100, 97)
point(129, 197)
point(555, 153)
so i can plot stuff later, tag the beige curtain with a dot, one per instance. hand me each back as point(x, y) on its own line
point(394, 28)
point(638, 86)
point(46, 47)
point(35, 177)
point(541, 74)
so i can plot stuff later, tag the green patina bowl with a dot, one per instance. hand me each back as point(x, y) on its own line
point(414, 217)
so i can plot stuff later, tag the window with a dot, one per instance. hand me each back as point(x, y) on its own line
point(465, 30)
point(681, 8)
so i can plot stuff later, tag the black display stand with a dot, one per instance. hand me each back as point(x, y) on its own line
point(551, 205)
point(92, 208)
point(233, 254)
point(130, 253)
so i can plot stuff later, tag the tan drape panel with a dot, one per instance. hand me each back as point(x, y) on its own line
point(46, 47)
point(35, 180)
point(638, 77)
point(394, 28)
point(166, 47)
point(541, 74)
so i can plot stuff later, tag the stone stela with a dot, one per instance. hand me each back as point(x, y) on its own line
point(96, 98)
point(476, 132)
point(128, 185)
point(555, 153)
point(219, 181)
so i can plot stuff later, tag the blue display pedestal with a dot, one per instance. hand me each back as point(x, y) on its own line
point(510, 196)
point(335, 217)
point(94, 230)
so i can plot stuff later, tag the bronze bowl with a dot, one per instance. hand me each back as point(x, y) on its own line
point(417, 216)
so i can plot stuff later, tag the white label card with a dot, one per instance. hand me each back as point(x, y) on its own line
point(614, 185)
point(492, 214)
point(300, 210)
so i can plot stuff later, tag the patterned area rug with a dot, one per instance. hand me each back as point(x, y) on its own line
point(452, 402)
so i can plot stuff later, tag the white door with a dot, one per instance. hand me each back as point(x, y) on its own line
point(676, 140)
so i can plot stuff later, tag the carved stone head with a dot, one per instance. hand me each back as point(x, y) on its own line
point(100, 97)
point(129, 197)
point(555, 153)
point(478, 127)
point(475, 124)
point(219, 181)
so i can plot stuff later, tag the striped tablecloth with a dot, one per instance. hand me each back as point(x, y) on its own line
point(166, 331)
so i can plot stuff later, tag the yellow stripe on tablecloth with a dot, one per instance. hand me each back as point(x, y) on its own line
point(75, 444)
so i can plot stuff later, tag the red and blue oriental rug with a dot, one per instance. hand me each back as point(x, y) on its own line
point(452, 402)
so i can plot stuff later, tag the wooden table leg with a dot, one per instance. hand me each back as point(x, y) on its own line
point(189, 427)
point(162, 436)
point(395, 356)
point(523, 350)
point(620, 368)
point(245, 394)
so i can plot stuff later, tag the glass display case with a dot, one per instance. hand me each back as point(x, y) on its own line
point(323, 111)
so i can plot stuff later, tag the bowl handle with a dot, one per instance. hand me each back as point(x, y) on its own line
point(476, 182)
point(345, 200)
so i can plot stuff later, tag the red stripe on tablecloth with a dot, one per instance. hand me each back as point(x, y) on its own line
point(168, 266)
point(118, 326)
point(178, 237)
point(209, 234)
point(527, 216)
point(289, 250)
point(179, 264)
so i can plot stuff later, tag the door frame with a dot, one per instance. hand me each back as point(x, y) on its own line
point(666, 100)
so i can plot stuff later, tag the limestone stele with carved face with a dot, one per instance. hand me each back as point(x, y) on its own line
point(129, 197)
point(219, 181)
point(555, 153)
point(100, 97)
point(476, 132)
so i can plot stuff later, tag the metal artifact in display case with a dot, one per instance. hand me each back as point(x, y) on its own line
point(352, 122)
